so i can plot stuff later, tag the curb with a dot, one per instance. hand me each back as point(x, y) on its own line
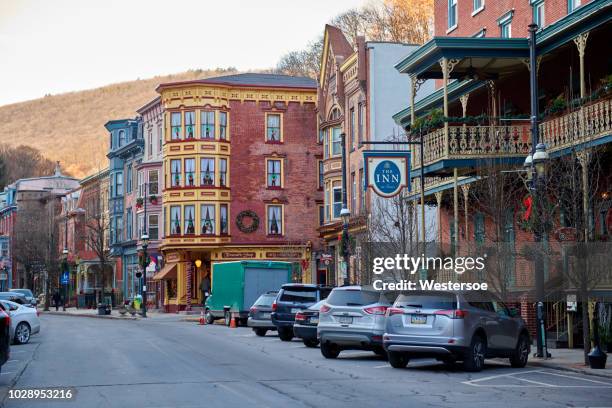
point(93, 316)
point(587, 371)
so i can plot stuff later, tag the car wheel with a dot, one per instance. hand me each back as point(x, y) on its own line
point(260, 332)
point(209, 317)
point(285, 335)
point(330, 350)
point(311, 343)
point(398, 360)
point(474, 358)
point(521, 354)
point(227, 318)
point(22, 333)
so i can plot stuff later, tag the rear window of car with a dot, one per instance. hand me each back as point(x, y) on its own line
point(265, 300)
point(353, 298)
point(299, 295)
point(427, 301)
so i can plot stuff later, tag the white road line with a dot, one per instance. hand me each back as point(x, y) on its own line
point(13, 361)
point(534, 382)
point(7, 372)
point(382, 366)
point(578, 378)
point(501, 375)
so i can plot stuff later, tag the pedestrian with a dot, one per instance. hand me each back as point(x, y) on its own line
point(205, 288)
point(56, 299)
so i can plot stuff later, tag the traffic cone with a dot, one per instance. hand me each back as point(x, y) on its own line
point(202, 320)
point(232, 323)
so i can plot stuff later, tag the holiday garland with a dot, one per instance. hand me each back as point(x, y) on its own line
point(254, 221)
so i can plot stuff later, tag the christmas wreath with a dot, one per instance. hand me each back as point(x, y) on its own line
point(252, 227)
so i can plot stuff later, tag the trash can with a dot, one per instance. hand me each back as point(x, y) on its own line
point(137, 302)
point(104, 309)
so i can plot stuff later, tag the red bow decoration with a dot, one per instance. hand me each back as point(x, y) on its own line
point(527, 202)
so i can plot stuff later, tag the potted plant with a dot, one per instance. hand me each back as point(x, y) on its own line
point(153, 199)
point(557, 105)
point(139, 202)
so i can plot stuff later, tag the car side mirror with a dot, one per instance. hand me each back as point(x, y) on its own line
point(513, 312)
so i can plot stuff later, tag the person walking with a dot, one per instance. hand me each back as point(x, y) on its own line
point(205, 288)
point(56, 300)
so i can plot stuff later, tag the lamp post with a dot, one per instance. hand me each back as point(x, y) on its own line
point(145, 244)
point(345, 215)
point(65, 253)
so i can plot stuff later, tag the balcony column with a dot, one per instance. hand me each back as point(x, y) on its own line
point(464, 102)
point(447, 66)
point(584, 157)
point(581, 43)
point(466, 191)
point(455, 206)
point(439, 195)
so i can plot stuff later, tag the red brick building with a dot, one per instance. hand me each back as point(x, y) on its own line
point(240, 177)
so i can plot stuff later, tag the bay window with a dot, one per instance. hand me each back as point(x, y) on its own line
point(153, 226)
point(189, 125)
point(175, 130)
point(207, 219)
point(336, 141)
point(223, 218)
point(119, 184)
point(207, 171)
point(208, 124)
point(175, 172)
point(337, 201)
point(189, 213)
point(223, 172)
point(189, 172)
point(325, 143)
point(153, 182)
point(175, 220)
point(223, 125)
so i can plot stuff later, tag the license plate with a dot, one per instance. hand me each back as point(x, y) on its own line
point(345, 320)
point(295, 310)
point(418, 319)
point(265, 315)
point(314, 320)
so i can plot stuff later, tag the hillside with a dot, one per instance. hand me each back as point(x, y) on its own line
point(70, 127)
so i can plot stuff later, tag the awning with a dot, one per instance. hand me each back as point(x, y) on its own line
point(167, 272)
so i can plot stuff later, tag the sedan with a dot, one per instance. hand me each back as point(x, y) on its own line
point(259, 314)
point(24, 321)
point(305, 326)
point(28, 295)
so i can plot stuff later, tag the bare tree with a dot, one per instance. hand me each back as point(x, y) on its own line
point(13, 159)
point(306, 62)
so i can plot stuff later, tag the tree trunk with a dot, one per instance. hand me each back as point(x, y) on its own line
point(586, 332)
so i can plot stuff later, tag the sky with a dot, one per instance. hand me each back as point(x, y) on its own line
point(56, 46)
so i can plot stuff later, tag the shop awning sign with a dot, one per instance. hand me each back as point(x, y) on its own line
point(387, 172)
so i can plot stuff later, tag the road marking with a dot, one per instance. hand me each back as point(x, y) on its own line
point(534, 382)
point(499, 376)
point(7, 372)
point(382, 366)
point(13, 361)
point(578, 378)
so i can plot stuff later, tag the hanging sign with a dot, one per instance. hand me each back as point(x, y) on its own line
point(387, 172)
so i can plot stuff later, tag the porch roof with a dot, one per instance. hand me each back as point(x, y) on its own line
point(491, 58)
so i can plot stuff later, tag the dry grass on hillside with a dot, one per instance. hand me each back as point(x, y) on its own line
point(70, 127)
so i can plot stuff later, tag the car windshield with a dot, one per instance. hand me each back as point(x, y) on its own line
point(427, 301)
point(265, 300)
point(355, 297)
point(303, 295)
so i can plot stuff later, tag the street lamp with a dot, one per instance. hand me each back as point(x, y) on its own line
point(345, 214)
point(145, 244)
point(540, 158)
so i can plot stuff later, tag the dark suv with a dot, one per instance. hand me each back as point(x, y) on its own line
point(292, 298)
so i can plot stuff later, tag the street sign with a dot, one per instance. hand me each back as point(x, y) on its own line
point(572, 303)
point(387, 172)
point(65, 277)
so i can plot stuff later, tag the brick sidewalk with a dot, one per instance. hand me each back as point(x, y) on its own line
point(571, 360)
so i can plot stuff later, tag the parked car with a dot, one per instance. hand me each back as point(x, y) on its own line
point(24, 321)
point(14, 297)
point(292, 298)
point(260, 318)
point(305, 326)
point(28, 295)
point(236, 285)
point(352, 318)
point(454, 326)
point(5, 335)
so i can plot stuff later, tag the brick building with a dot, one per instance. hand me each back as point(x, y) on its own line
point(479, 60)
point(240, 177)
point(359, 90)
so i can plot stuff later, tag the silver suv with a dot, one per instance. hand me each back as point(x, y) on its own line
point(352, 318)
point(454, 326)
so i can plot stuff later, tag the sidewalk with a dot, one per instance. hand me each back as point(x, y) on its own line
point(571, 360)
point(93, 313)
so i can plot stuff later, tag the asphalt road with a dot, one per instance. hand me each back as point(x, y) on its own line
point(168, 363)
